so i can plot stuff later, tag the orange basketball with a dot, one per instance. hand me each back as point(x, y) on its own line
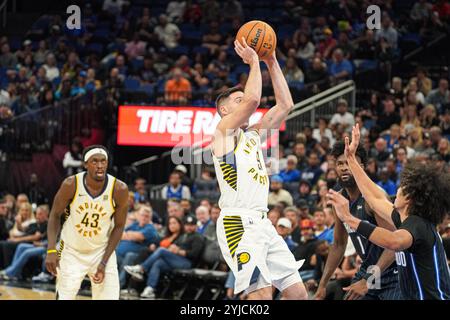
point(258, 35)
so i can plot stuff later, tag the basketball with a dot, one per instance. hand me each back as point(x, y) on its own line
point(260, 36)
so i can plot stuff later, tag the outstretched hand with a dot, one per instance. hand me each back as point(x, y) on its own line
point(350, 148)
point(247, 53)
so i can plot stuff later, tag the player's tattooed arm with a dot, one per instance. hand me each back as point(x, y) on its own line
point(62, 199)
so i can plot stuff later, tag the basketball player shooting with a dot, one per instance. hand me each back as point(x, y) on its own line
point(256, 254)
point(93, 227)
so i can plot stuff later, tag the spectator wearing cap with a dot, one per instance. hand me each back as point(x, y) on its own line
point(306, 248)
point(203, 217)
point(183, 253)
point(303, 208)
point(277, 193)
point(326, 43)
point(290, 174)
point(313, 171)
point(342, 116)
point(175, 189)
point(292, 214)
point(184, 176)
point(284, 227)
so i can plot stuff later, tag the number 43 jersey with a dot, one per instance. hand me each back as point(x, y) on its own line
point(90, 220)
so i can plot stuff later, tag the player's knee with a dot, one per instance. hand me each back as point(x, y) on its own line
point(261, 294)
point(296, 291)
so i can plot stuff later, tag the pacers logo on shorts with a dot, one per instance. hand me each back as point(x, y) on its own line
point(242, 258)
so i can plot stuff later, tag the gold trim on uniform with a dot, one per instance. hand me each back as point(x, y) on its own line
point(61, 247)
point(234, 230)
point(229, 174)
point(76, 190)
point(112, 191)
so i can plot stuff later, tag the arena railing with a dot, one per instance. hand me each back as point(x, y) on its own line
point(3, 11)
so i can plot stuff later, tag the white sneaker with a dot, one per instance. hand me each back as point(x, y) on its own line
point(135, 271)
point(42, 277)
point(148, 293)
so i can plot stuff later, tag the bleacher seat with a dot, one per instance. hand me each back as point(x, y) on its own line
point(131, 84)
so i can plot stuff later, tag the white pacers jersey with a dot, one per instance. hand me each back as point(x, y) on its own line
point(90, 220)
point(242, 176)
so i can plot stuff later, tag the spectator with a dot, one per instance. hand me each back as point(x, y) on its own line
point(7, 58)
point(387, 31)
point(175, 210)
point(182, 170)
point(445, 124)
point(232, 9)
point(182, 254)
point(421, 11)
point(444, 149)
point(428, 117)
point(51, 70)
point(135, 239)
point(317, 72)
point(167, 32)
point(343, 117)
point(387, 184)
point(284, 229)
point(212, 254)
point(175, 10)
point(392, 138)
point(140, 191)
point(187, 206)
point(313, 171)
point(178, 89)
point(41, 54)
point(72, 161)
point(35, 193)
point(305, 48)
point(277, 193)
point(410, 117)
point(439, 97)
point(305, 195)
point(367, 48)
point(306, 249)
point(300, 153)
point(290, 174)
point(380, 152)
point(212, 39)
point(292, 72)
point(24, 230)
point(203, 218)
point(424, 83)
point(25, 251)
point(135, 48)
point(326, 43)
point(389, 115)
point(340, 68)
point(292, 214)
point(273, 215)
point(211, 11)
point(5, 223)
point(322, 130)
point(175, 189)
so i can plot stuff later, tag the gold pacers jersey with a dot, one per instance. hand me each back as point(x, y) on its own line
point(242, 176)
point(90, 221)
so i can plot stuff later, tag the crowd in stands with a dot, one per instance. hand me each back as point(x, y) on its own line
point(182, 53)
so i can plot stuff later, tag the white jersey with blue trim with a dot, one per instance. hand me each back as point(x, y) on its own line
point(90, 219)
point(242, 176)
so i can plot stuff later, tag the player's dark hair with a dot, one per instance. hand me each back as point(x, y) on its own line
point(224, 95)
point(427, 188)
point(87, 149)
point(339, 149)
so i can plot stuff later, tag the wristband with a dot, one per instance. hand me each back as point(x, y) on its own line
point(367, 275)
point(52, 251)
point(365, 228)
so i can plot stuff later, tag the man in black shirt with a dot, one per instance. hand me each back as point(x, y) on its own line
point(184, 253)
point(5, 224)
point(389, 116)
point(422, 202)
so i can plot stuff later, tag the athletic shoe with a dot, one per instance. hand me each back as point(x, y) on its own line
point(135, 271)
point(148, 293)
point(42, 277)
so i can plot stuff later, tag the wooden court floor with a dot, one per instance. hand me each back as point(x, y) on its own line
point(17, 293)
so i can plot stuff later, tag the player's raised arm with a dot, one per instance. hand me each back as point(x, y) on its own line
point(375, 197)
point(247, 104)
point(284, 103)
point(62, 199)
point(120, 215)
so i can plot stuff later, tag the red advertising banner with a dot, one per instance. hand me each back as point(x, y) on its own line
point(169, 126)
